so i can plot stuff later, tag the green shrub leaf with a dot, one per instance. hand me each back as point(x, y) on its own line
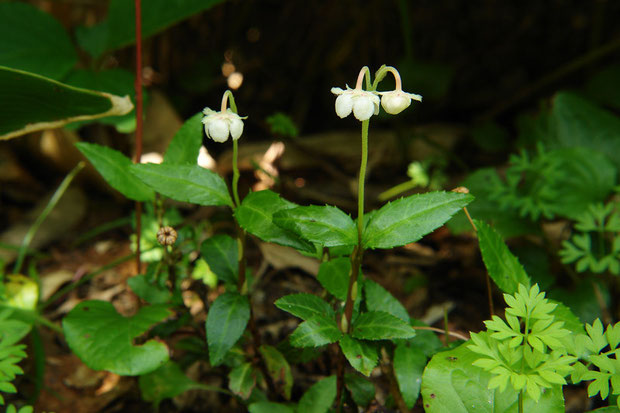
point(103, 339)
point(319, 397)
point(242, 380)
point(185, 183)
point(378, 298)
point(304, 306)
point(185, 145)
point(269, 407)
point(409, 363)
point(361, 355)
point(334, 276)
point(318, 330)
point(362, 390)
point(166, 382)
point(278, 369)
point(408, 219)
point(325, 225)
point(379, 325)
point(221, 253)
point(226, 322)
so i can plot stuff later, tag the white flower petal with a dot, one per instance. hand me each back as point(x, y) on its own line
point(344, 104)
point(337, 91)
point(363, 107)
point(217, 129)
point(395, 102)
point(208, 111)
point(236, 127)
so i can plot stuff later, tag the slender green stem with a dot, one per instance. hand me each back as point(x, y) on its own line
point(48, 208)
point(521, 401)
point(235, 181)
point(361, 183)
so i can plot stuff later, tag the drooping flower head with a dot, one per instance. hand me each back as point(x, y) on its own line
point(362, 103)
point(395, 101)
point(220, 125)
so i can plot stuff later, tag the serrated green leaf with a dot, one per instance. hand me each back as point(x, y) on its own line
point(304, 306)
point(221, 253)
point(114, 167)
point(379, 299)
point(185, 145)
point(185, 183)
point(334, 276)
point(226, 322)
point(379, 325)
point(318, 330)
point(102, 338)
point(166, 382)
point(503, 267)
point(325, 225)
point(278, 369)
point(408, 219)
point(242, 380)
point(362, 390)
point(361, 355)
point(319, 397)
point(409, 364)
point(255, 215)
point(269, 407)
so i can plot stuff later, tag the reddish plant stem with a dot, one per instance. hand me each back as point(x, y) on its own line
point(139, 100)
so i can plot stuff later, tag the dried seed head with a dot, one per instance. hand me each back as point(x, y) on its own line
point(461, 190)
point(166, 235)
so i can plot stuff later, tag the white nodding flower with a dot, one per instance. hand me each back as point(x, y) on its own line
point(219, 125)
point(396, 101)
point(362, 103)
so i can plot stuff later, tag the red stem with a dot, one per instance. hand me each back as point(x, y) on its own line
point(139, 100)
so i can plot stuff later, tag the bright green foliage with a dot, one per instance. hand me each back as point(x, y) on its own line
point(362, 390)
point(221, 253)
point(409, 365)
point(597, 245)
point(316, 331)
point(151, 250)
point(243, 379)
point(114, 167)
point(281, 124)
point(151, 292)
point(361, 354)
point(608, 374)
point(304, 306)
point(34, 41)
point(325, 225)
point(166, 382)
point(269, 407)
point(378, 298)
point(527, 350)
point(11, 331)
point(503, 267)
point(185, 144)
point(278, 368)
point(255, 215)
point(319, 397)
point(26, 409)
point(408, 219)
point(226, 322)
point(334, 276)
point(102, 338)
point(379, 325)
point(185, 183)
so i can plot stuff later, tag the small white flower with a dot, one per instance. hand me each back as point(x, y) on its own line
point(219, 125)
point(396, 101)
point(362, 103)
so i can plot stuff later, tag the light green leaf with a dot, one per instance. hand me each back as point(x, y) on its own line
point(379, 325)
point(325, 225)
point(242, 380)
point(318, 330)
point(226, 322)
point(362, 390)
point(269, 407)
point(278, 369)
point(379, 299)
point(408, 219)
point(503, 267)
point(34, 41)
point(221, 253)
point(57, 104)
point(185, 144)
point(185, 183)
point(152, 293)
point(334, 276)
point(255, 215)
point(103, 339)
point(409, 363)
point(304, 306)
point(361, 355)
point(320, 397)
point(166, 382)
point(114, 167)
point(117, 30)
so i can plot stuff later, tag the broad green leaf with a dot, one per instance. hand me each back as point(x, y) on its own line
point(166, 382)
point(318, 330)
point(408, 219)
point(103, 339)
point(379, 299)
point(334, 276)
point(11, 329)
point(503, 267)
point(379, 325)
point(304, 306)
point(221, 253)
point(226, 322)
point(185, 183)
point(269, 407)
point(114, 167)
point(362, 390)
point(34, 41)
point(55, 104)
point(325, 225)
point(117, 30)
point(361, 355)
point(255, 215)
point(242, 380)
point(152, 293)
point(320, 397)
point(409, 363)
point(278, 369)
point(451, 383)
point(185, 144)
